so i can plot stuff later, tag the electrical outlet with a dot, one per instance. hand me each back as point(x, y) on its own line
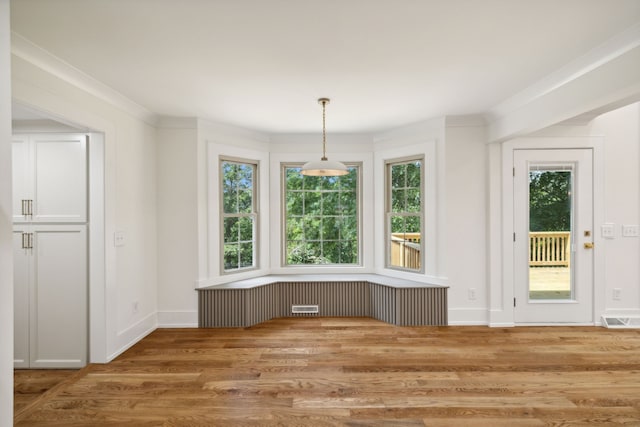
point(617, 294)
point(472, 294)
point(118, 238)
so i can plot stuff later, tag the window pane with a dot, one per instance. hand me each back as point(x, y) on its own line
point(245, 176)
point(331, 203)
point(349, 182)
point(349, 251)
point(348, 228)
point(311, 228)
point(230, 256)
point(398, 176)
point(331, 251)
point(348, 203)
point(320, 218)
point(295, 228)
point(293, 179)
point(312, 182)
point(413, 200)
point(412, 224)
point(330, 230)
point(245, 201)
point(404, 214)
point(238, 214)
point(245, 226)
point(229, 199)
point(413, 175)
point(398, 200)
point(397, 224)
point(294, 203)
point(330, 183)
point(312, 205)
point(246, 254)
point(230, 230)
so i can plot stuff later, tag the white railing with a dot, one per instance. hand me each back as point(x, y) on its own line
point(549, 248)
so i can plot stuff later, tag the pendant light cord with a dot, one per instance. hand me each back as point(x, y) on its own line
point(323, 101)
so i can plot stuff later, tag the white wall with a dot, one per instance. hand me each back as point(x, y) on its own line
point(425, 139)
point(6, 247)
point(621, 131)
point(177, 224)
point(466, 228)
point(130, 199)
point(615, 137)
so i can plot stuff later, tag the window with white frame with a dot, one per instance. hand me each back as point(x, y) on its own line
point(239, 220)
point(321, 218)
point(404, 183)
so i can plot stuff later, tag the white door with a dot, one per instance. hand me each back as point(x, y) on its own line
point(49, 178)
point(553, 239)
point(22, 177)
point(50, 250)
point(60, 178)
point(58, 297)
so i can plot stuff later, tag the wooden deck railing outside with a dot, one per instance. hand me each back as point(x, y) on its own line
point(549, 248)
point(405, 250)
point(546, 249)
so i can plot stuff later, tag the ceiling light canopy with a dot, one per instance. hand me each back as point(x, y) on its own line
point(324, 166)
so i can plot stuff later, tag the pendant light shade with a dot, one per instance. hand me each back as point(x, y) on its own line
point(324, 166)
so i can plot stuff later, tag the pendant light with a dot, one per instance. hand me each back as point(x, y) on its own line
point(324, 166)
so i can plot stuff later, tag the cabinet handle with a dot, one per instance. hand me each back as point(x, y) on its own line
point(31, 208)
point(24, 238)
point(24, 207)
point(30, 241)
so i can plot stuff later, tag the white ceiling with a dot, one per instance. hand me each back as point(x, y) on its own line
point(262, 64)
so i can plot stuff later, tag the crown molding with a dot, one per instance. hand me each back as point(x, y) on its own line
point(34, 54)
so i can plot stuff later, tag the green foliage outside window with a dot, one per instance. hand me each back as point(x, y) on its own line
point(406, 202)
point(238, 194)
point(549, 200)
point(321, 218)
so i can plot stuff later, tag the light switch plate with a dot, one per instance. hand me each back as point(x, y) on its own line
point(608, 231)
point(630, 231)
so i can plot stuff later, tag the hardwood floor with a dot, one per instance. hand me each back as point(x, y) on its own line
point(356, 372)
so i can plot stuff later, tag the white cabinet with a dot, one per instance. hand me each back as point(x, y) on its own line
point(50, 178)
point(50, 296)
point(50, 251)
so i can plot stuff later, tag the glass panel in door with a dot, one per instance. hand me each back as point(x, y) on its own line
point(550, 231)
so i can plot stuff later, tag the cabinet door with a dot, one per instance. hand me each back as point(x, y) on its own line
point(21, 263)
point(58, 318)
point(60, 187)
point(22, 177)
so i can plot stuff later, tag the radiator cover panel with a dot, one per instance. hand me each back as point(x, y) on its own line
point(246, 307)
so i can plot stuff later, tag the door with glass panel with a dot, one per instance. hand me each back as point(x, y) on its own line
point(553, 239)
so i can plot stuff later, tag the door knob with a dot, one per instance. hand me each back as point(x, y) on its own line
point(588, 245)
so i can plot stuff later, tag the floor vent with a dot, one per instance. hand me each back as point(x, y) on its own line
point(305, 309)
point(627, 322)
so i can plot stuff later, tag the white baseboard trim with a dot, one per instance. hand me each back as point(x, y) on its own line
point(178, 319)
point(468, 317)
point(502, 325)
point(130, 336)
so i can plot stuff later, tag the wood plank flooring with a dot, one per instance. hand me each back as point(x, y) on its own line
point(356, 372)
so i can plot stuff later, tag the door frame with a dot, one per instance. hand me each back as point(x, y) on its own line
point(578, 307)
point(508, 224)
